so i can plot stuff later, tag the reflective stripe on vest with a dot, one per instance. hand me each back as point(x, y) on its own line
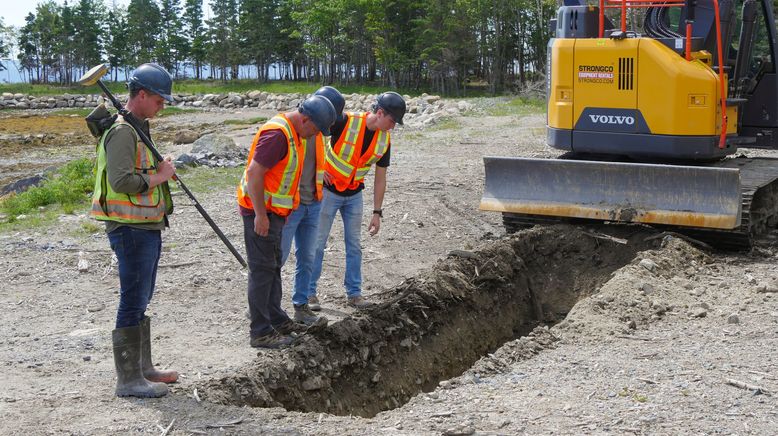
point(144, 207)
point(381, 145)
point(341, 161)
point(284, 197)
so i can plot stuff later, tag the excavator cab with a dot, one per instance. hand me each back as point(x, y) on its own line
point(649, 114)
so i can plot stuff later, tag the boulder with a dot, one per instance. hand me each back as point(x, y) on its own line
point(186, 136)
point(217, 145)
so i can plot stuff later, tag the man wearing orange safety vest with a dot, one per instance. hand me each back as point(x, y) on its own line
point(303, 224)
point(358, 141)
point(267, 194)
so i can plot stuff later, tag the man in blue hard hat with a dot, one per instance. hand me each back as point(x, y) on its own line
point(132, 197)
point(268, 192)
point(302, 225)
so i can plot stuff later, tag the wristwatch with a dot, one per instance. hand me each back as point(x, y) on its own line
point(379, 212)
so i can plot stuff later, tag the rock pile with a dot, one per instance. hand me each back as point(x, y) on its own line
point(22, 101)
point(422, 110)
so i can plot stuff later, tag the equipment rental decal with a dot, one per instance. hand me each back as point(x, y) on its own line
point(595, 73)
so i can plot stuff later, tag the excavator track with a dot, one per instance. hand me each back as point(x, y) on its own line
point(759, 213)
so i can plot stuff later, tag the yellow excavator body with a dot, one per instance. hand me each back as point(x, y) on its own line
point(649, 126)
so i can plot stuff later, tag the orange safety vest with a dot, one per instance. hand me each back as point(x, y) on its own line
point(344, 161)
point(320, 151)
point(281, 181)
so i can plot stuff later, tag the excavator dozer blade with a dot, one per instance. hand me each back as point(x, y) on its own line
point(676, 195)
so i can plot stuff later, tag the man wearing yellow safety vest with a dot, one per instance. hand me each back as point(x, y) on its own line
point(303, 224)
point(267, 194)
point(133, 198)
point(358, 141)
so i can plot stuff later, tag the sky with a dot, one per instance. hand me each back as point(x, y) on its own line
point(14, 11)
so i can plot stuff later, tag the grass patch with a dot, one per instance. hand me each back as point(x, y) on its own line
point(202, 87)
point(519, 106)
point(243, 85)
point(445, 123)
point(246, 122)
point(83, 112)
point(68, 188)
point(203, 179)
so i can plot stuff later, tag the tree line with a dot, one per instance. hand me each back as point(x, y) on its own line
point(441, 45)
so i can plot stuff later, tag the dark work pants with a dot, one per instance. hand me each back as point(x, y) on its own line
point(138, 253)
point(264, 289)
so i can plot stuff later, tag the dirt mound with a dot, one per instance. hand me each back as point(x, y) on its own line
point(434, 326)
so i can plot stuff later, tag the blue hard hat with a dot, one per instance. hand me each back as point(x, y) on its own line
point(152, 78)
point(393, 104)
point(335, 97)
point(320, 111)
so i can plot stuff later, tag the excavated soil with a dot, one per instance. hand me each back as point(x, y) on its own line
point(553, 330)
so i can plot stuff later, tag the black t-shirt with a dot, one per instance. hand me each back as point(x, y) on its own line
point(337, 131)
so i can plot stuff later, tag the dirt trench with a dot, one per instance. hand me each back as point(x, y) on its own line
point(434, 326)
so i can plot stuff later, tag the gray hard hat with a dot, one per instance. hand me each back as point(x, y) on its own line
point(393, 104)
point(153, 78)
point(320, 111)
point(335, 97)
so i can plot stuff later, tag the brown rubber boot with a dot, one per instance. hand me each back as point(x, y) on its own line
point(126, 357)
point(151, 373)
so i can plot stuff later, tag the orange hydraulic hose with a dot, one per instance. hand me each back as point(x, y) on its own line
point(723, 138)
point(623, 15)
point(688, 41)
point(602, 19)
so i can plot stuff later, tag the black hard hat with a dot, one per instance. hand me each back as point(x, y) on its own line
point(153, 78)
point(393, 104)
point(320, 111)
point(335, 97)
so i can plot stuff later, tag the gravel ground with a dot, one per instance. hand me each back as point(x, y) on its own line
point(673, 341)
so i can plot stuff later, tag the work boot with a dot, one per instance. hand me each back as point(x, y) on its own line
point(303, 314)
point(313, 303)
point(126, 356)
point(358, 301)
point(151, 373)
point(291, 328)
point(272, 340)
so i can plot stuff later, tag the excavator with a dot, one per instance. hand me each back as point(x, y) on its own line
point(649, 102)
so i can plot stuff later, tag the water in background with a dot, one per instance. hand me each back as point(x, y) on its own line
point(14, 74)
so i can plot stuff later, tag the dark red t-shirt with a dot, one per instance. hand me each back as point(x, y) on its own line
point(272, 148)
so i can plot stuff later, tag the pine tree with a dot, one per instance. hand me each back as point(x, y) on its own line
point(169, 46)
point(223, 47)
point(260, 33)
point(195, 46)
point(6, 39)
point(86, 35)
point(117, 45)
point(143, 24)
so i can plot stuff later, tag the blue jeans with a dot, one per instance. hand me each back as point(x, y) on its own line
point(138, 253)
point(302, 225)
point(350, 209)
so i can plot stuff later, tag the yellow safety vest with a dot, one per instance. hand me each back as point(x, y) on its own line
point(150, 206)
